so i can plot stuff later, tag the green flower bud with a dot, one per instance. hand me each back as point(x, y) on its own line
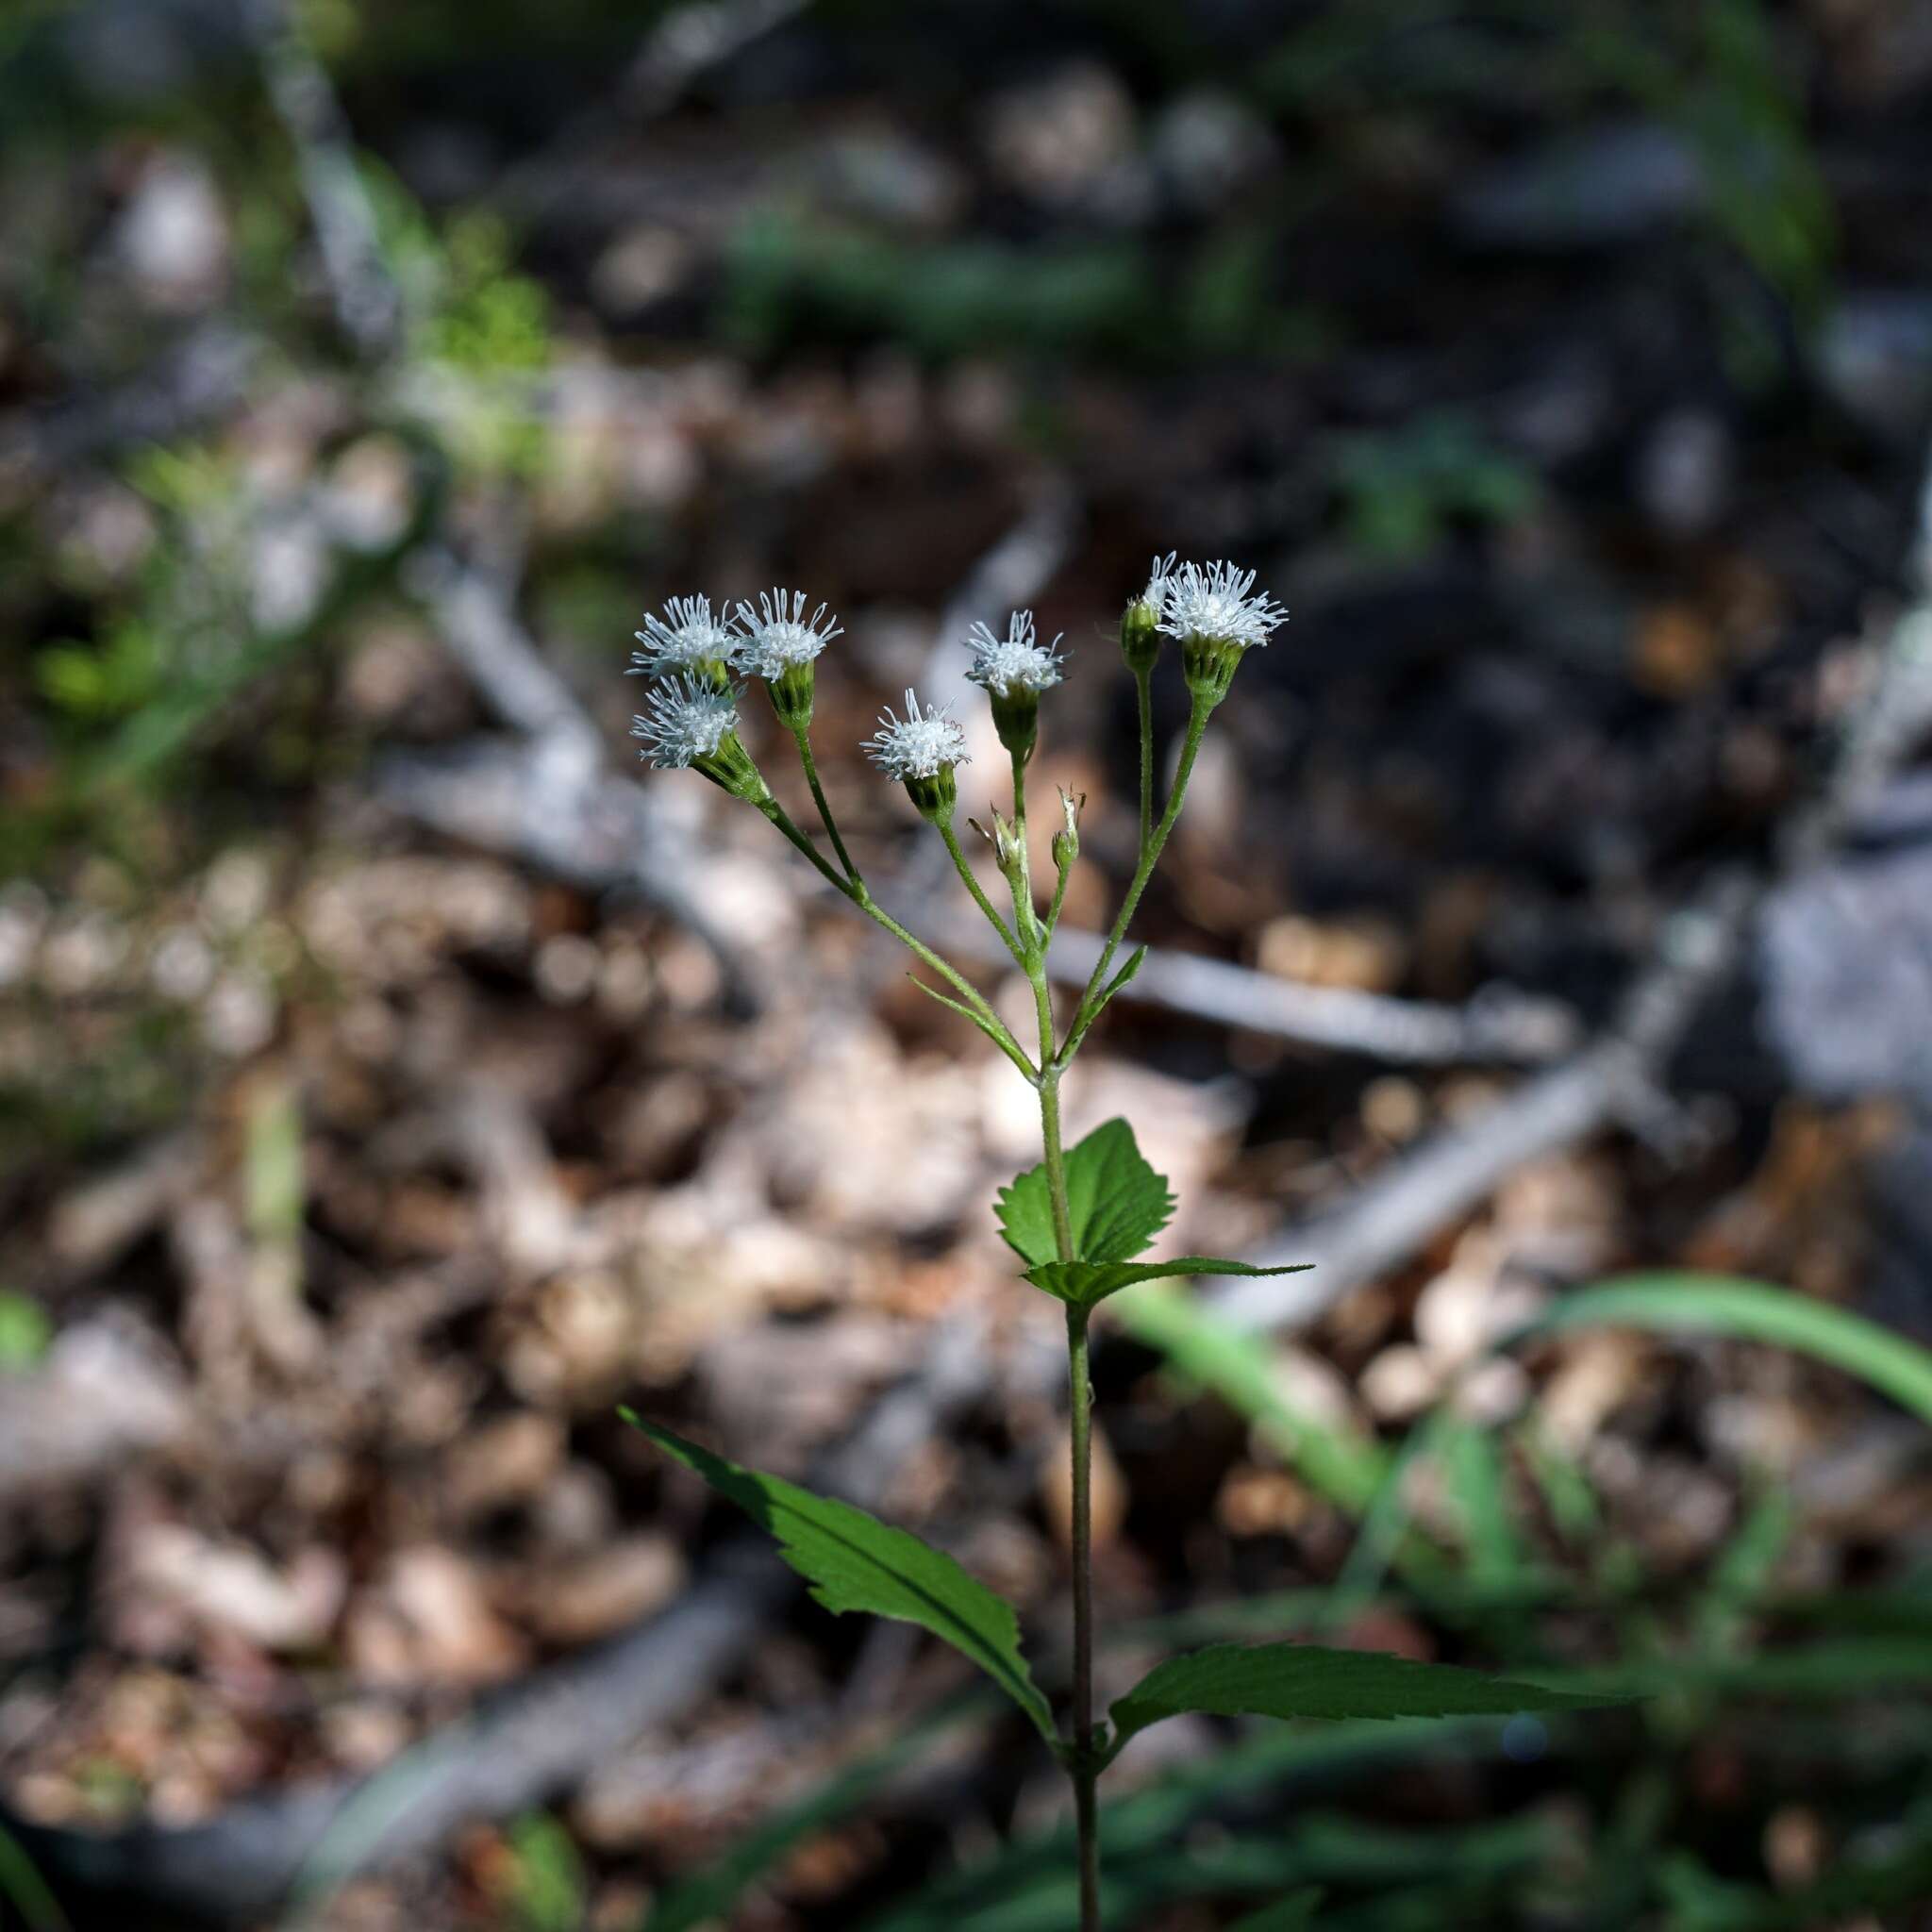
point(1066, 842)
point(790, 692)
point(1141, 620)
point(1208, 665)
point(934, 794)
point(730, 768)
point(1016, 718)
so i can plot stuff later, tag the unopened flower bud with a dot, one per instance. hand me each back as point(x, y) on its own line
point(1008, 853)
point(1066, 842)
point(1141, 620)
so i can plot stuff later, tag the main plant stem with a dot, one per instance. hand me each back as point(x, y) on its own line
point(1081, 1767)
point(1085, 1771)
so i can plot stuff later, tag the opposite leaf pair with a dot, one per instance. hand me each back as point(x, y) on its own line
point(853, 1561)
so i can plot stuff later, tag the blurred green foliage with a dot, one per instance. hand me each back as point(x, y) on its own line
point(547, 1889)
point(1402, 490)
point(790, 275)
point(1714, 71)
point(26, 1331)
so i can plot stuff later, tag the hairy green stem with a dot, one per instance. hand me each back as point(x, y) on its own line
point(1083, 1765)
point(1086, 1772)
point(1143, 693)
point(978, 891)
point(1052, 911)
point(979, 1008)
point(1149, 856)
point(802, 737)
point(1025, 920)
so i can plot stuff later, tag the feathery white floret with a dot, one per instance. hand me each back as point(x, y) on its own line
point(1159, 575)
point(919, 745)
point(776, 636)
point(1015, 662)
point(687, 720)
point(1214, 604)
point(685, 637)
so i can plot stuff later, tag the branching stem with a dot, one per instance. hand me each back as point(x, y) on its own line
point(972, 883)
point(1143, 697)
point(802, 736)
point(1150, 849)
point(979, 1008)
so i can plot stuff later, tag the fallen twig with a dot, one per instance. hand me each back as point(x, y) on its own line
point(549, 795)
point(367, 302)
point(1498, 1025)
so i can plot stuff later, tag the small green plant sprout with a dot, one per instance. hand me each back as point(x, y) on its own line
point(1078, 1221)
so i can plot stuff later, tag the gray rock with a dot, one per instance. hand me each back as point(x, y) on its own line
point(1845, 963)
point(1605, 186)
point(1874, 358)
point(1685, 470)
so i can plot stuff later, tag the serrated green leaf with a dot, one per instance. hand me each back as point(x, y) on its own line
point(1083, 1283)
point(1303, 1680)
point(1116, 1204)
point(855, 1562)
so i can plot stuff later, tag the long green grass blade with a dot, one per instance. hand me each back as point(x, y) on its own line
point(1750, 1311)
point(1346, 1469)
point(20, 1881)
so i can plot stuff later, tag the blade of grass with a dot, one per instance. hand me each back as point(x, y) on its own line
point(1749, 1311)
point(20, 1881)
point(1038, 1863)
point(1346, 1469)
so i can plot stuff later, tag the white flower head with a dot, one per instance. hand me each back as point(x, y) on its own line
point(777, 637)
point(686, 637)
point(1016, 663)
point(1214, 603)
point(1159, 575)
point(920, 745)
point(687, 720)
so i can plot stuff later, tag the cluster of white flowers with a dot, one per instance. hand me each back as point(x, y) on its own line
point(777, 637)
point(686, 719)
point(918, 746)
point(1016, 663)
point(693, 714)
point(685, 638)
point(766, 642)
point(1211, 601)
